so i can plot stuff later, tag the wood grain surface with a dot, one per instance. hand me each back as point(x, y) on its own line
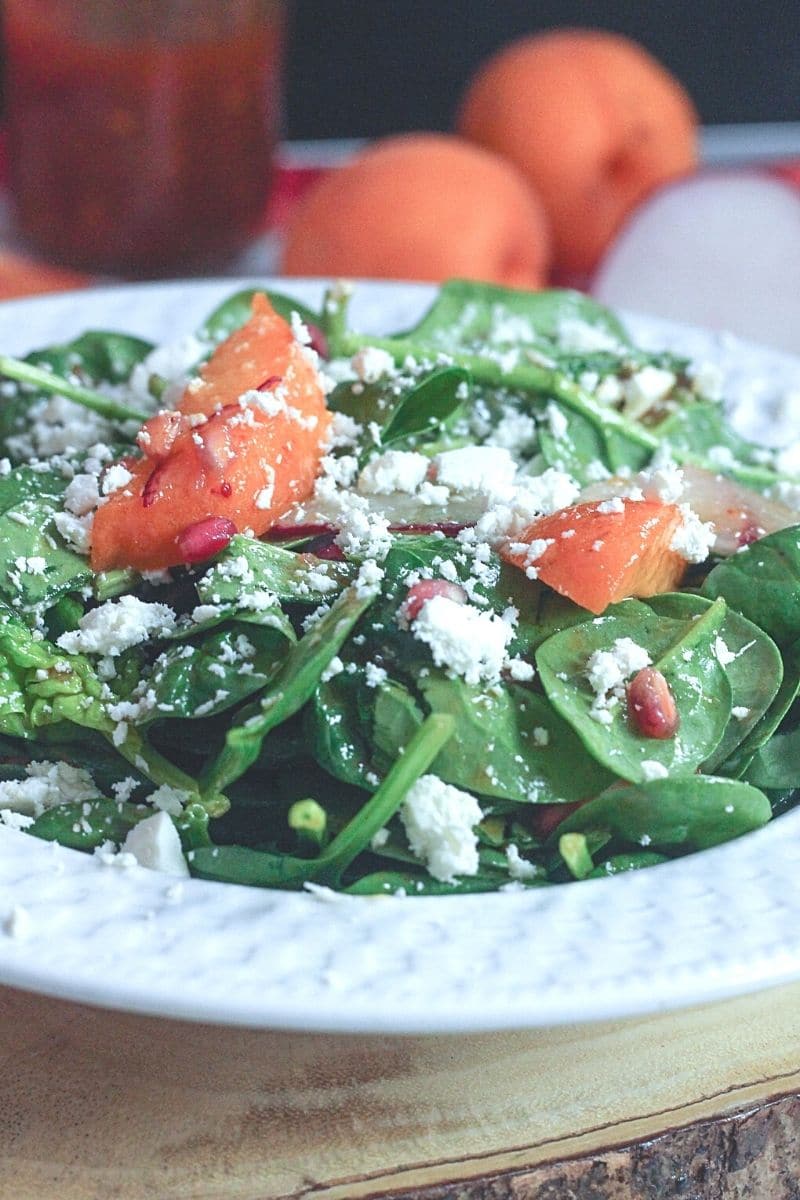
point(700, 1105)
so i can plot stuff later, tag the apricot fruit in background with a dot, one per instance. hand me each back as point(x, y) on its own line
point(421, 206)
point(592, 120)
point(23, 276)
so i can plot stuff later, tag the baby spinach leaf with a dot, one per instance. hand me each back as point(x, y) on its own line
point(248, 565)
point(88, 824)
point(762, 582)
point(44, 686)
point(480, 314)
point(776, 765)
point(683, 650)
point(48, 382)
point(754, 673)
point(693, 431)
point(235, 311)
point(694, 812)
point(289, 691)
point(419, 883)
point(508, 742)
point(618, 864)
point(338, 728)
point(240, 864)
point(736, 764)
point(404, 409)
point(220, 670)
point(588, 440)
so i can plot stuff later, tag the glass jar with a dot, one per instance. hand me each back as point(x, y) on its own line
point(141, 135)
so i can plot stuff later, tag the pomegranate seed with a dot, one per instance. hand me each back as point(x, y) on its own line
point(318, 340)
point(651, 705)
point(420, 593)
point(205, 538)
point(157, 436)
point(224, 490)
point(272, 381)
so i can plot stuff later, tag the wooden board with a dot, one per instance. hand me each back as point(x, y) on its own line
point(701, 1105)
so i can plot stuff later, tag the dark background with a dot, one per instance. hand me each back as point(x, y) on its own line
point(357, 68)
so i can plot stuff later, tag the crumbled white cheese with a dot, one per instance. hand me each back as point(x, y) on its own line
point(515, 432)
point(646, 388)
point(486, 470)
point(343, 433)
point(708, 380)
point(393, 471)
point(117, 625)
point(81, 495)
point(579, 337)
point(722, 653)
point(60, 426)
point(615, 504)
point(607, 671)
point(520, 670)
point(47, 784)
point(518, 867)
point(117, 476)
point(663, 482)
point(334, 668)
point(609, 390)
point(374, 675)
point(439, 821)
point(76, 531)
point(531, 497)
point(170, 799)
point(172, 363)
point(371, 364)
point(693, 538)
point(464, 640)
point(155, 843)
point(653, 770)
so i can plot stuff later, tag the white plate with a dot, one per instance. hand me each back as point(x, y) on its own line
point(711, 925)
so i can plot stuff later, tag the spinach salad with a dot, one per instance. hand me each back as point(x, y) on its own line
point(537, 620)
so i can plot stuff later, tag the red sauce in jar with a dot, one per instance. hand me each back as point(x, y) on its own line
point(139, 155)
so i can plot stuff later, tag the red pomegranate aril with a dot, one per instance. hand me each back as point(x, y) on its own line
point(205, 538)
point(651, 705)
point(420, 593)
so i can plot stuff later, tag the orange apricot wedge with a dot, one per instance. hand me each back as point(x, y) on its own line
point(243, 445)
point(599, 552)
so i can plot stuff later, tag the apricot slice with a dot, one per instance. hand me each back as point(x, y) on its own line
point(216, 456)
point(599, 552)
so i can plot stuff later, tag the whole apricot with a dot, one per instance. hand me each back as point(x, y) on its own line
point(23, 276)
point(592, 120)
point(421, 206)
